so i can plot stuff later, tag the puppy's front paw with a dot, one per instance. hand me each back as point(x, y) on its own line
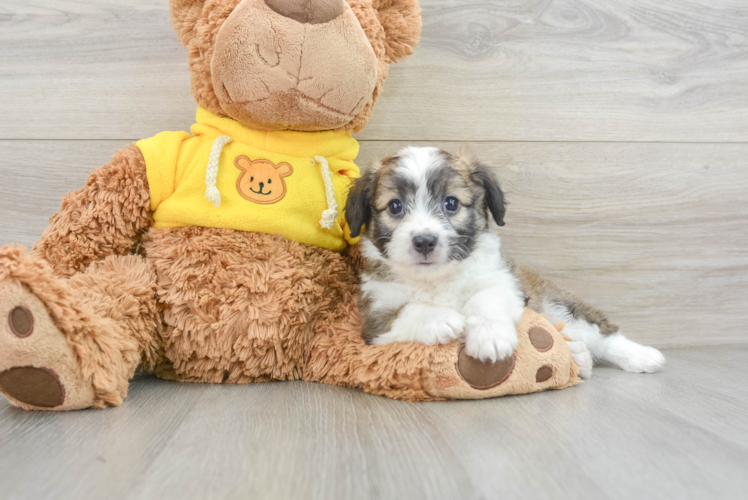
point(444, 326)
point(489, 339)
point(582, 357)
point(427, 325)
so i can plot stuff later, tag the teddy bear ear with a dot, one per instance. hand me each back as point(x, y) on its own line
point(401, 20)
point(184, 16)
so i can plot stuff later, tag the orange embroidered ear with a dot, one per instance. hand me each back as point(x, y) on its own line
point(284, 169)
point(243, 163)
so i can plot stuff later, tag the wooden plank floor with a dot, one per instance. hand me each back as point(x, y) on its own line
point(679, 434)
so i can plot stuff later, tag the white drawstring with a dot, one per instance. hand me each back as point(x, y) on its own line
point(211, 176)
point(329, 215)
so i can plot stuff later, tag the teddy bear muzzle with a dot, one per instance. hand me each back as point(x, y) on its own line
point(293, 65)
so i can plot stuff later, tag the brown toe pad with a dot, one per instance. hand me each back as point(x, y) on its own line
point(540, 338)
point(33, 386)
point(544, 373)
point(483, 374)
point(21, 322)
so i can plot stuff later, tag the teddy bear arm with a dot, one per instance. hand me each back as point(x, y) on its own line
point(418, 372)
point(105, 217)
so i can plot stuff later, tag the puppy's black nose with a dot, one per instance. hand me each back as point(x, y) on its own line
point(262, 185)
point(425, 243)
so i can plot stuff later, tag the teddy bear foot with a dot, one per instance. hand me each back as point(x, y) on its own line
point(38, 369)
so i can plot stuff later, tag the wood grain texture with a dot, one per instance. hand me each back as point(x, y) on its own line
point(654, 234)
point(529, 70)
point(679, 434)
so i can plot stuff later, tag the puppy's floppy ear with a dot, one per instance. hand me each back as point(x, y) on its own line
point(494, 196)
point(358, 206)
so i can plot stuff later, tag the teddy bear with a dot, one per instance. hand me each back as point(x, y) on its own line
point(222, 255)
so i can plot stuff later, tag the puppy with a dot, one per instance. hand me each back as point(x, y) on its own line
point(435, 271)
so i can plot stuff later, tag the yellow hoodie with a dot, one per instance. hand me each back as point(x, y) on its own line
point(226, 175)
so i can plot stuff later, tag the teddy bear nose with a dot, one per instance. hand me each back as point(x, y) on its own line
point(308, 11)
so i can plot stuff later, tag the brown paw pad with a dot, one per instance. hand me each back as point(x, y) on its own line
point(483, 375)
point(33, 386)
point(540, 338)
point(543, 373)
point(21, 322)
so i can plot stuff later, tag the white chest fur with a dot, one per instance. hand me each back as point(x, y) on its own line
point(452, 285)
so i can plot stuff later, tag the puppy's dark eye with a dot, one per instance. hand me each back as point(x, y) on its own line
point(451, 204)
point(251, 179)
point(395, 207)
point(270, 181)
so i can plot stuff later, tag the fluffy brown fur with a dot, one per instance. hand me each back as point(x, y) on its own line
point(105, 217)
point(258, 299)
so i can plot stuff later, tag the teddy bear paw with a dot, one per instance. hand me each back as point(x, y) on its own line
point(38, 369)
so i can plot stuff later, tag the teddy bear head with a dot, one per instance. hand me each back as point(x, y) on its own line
point(305, 65)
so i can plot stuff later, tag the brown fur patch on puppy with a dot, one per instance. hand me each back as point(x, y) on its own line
point(376, 323)
point(482, 177)
point(540, 290)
